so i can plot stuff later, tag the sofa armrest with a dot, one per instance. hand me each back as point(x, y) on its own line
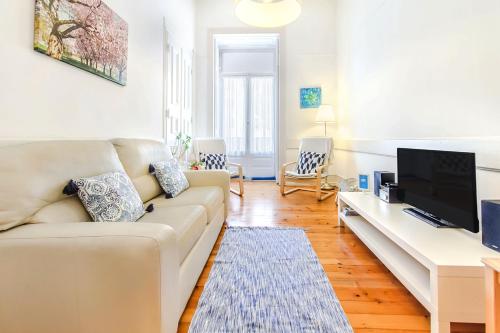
point(220, 178)
point(89, 278)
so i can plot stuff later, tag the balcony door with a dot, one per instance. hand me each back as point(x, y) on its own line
point(246, 97)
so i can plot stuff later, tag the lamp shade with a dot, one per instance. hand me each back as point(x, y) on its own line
point(268, 13)
point(325, 114)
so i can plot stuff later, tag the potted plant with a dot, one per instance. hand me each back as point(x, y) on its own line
point(182, 145)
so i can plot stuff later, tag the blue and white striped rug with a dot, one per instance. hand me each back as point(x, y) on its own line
point(268, 280)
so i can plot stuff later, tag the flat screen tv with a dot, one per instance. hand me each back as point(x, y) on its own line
point(441, 185)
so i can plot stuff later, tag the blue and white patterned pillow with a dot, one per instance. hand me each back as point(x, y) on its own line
point(110, 197)
point(214, 161)
point(170, 176)
point(309, 162)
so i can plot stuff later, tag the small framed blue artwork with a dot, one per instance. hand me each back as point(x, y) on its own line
point(310, 98)
point(363, 182)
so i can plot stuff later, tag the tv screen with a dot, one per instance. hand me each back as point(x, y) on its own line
point(441, 183)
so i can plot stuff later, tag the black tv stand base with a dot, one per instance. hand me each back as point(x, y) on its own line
point(434, 221)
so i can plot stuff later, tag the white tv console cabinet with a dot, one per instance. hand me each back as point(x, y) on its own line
point(441, 267)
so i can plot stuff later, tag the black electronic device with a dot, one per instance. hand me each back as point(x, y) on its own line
point(389, 193)
point(381, 178)
point(441, 185)
point(491, 224)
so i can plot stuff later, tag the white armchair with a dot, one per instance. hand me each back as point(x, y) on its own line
point(218, 146)
point(308, 182)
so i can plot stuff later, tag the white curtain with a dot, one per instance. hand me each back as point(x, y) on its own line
point(261, 115)
point(234, 114)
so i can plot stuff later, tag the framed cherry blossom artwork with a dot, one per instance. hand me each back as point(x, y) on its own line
point(83, 33)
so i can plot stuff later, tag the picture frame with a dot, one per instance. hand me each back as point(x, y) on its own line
point(364, 183)
point(86, 35)
point(310, 98)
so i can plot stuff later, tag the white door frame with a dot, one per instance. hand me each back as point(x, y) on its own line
point(177, 110)
point(166, 56)
point(217, 92)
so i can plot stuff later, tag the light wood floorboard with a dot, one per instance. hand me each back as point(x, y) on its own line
point(373, 299)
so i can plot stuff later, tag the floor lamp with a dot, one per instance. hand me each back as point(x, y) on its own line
point(326, 116)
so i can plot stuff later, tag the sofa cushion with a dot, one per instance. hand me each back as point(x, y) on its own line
point(210, 197)
point(136, 156)
point(69, 210)
point(110, 197)
point(32, 176)
point(309, 162)
point(214, 161)
point(188, 222)
point(170, 176)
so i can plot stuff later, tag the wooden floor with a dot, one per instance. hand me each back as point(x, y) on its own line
point(372, 297)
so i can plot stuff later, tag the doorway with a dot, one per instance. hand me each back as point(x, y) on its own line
point(246, 101)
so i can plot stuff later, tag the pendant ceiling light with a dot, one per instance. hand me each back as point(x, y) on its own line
point(268, 13)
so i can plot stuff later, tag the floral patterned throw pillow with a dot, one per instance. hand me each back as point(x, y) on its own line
point(110, 197)
point(170, 176)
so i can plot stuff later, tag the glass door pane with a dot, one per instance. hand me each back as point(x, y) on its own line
point(261, 115)
point(234, 122)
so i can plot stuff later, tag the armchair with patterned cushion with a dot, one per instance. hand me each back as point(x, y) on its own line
point(311, 168)
point(212, 153)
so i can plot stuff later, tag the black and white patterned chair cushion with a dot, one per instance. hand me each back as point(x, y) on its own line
point(214, 161)
point(170, 176)
point(309, 162)
point(110, 197)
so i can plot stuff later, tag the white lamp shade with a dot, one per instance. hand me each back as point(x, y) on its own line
point(268, 13)
point(325, 114)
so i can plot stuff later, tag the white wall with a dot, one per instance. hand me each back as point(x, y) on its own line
point(43, 98)
point(418, 73)
point(307, 59)
point(418, 68)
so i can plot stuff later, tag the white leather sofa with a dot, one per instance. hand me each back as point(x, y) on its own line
point(61, 274)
